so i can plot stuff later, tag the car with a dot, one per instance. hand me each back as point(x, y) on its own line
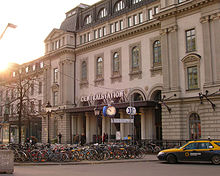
point(198, 150)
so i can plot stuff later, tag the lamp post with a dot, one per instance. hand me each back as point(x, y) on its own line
point(96, 112)
point(9, 25)
point(48, 110)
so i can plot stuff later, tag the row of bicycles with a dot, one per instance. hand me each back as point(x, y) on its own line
point(62, 153)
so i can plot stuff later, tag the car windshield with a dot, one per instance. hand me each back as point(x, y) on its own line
point(183, 145)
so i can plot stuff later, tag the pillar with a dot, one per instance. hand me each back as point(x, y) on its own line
point(122, 125)
point(143, 123)
point(87, 128)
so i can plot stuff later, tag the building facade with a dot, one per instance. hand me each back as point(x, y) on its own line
point(159, 56)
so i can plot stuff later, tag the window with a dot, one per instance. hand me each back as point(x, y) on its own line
point(116, 62)
point(191, 146)
point(80, 39)
point(135, 19)
point(40, 88)
point(99, 67)
point(136, 1)
point(55, 75)
point(34, 67)
point(156, 53)
point(27, 69)
point(104, 31)
point(135, 57)
point(119, 6)
point(13, 74)
point(102, 13)
point(12, 94)
point(88, 37)
point(121, 25)
point(190, 40)
point(192, 71)
point(95, 34)
point(156, 10)
point(55, 98)
point(204, 145)
point(88, 19)
point(140, 17)
point(116, 26)
point(84, 70)
point(179, 1)
point(100, 32)
point(0, 110)
point(39, 105)
point(84, 38)
point(129, 22)
point(32, 106)
point(111, 28)
point(192, 77)
point(41, 64)
point(150, 14)
point(32, 88)
point(194, 126)
point(12, 109)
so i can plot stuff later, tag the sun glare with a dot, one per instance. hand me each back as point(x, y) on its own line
point(3, 66)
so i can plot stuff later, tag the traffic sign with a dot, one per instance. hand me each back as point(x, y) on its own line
point(131, 110)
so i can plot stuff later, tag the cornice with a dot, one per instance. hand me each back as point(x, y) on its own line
point(120, 35)
point(207, 18)
point(62, 51)
point(178, 9)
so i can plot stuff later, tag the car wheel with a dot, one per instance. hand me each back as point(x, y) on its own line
point(171, 159)
point(216, 159)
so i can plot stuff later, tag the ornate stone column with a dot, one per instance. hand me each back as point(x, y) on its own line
point(87, 128)
point(143, 123)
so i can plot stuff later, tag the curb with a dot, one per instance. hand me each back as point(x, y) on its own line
point(84, 162)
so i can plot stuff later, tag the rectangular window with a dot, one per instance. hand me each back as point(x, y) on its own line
point(84, 38)
point(39, 105)
point(32, 106)
point(192, 76)
point(129, 22)
point(150, 14)
point(141, 18)
point(111, 28)
point(156, 10)
point(135, 19)
point(116, 26)
point(63, 41)
point(40, 88)
point(104, 31)
point(55, 98)
point(32, 88)
point(190, 40)
point(80, 39)
point(95, 34)
point(100, 32)
point(55, 75)
point(88, 37)
point(121, 25)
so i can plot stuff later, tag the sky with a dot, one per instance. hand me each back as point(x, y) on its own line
point(34, 19)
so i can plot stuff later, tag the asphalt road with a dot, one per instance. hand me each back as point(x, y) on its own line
point(154, 168)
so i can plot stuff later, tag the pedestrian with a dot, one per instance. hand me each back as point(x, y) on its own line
point(83, 139)
point(59, 136)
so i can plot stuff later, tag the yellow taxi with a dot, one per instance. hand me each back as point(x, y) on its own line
point(199, 150)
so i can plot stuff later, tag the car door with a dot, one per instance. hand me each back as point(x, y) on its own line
point(206, 150)
point(189, 152)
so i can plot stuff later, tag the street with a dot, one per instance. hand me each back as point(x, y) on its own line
point(151, 168)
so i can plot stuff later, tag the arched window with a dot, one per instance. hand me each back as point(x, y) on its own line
point(119, 6)
point(88, 19)
point(99, 67)
point(135, 57)
point(157, 52)
point(194, 126)
point(102, 13)
point(84, 70)
point(116, 62)
point(137, 97)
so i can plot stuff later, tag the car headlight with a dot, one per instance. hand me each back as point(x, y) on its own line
point(160, 153)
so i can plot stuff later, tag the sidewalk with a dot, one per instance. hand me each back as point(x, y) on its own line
point(147, 158)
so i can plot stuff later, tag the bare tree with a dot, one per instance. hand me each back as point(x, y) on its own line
point(24, 89)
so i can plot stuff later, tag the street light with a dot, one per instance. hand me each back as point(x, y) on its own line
point(8, 25)
point(96, 112)
point(48, 110)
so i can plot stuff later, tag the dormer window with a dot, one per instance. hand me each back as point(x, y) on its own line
point(136, 1)
point(102, 13)
point(119, 6)
point(88, 19)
